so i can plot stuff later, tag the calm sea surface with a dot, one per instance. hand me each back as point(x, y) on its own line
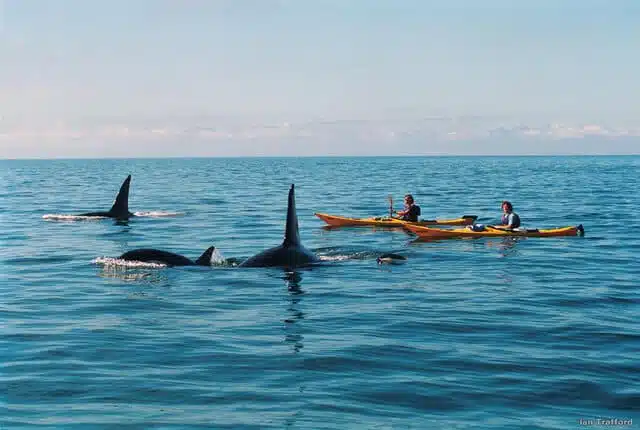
point(483, 333)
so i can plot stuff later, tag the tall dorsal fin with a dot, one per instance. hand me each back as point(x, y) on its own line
point(291, 233)
point(121, 205)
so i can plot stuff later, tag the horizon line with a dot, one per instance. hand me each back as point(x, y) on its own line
point(194, 157)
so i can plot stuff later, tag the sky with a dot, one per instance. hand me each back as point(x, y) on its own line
point(76, 75)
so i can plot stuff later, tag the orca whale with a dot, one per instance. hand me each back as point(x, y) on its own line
point(290, 254)
point(120, 208)
point(168, 258)
point(391, 258)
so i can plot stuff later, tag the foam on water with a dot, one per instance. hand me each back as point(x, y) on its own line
point(330, 258)
point(117, 262)
point(158, 214)
point(71, 218)
point(345, 255)
point(217, 258)
point(141, 214)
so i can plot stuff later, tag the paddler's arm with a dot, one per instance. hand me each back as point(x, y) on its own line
point(501, 227)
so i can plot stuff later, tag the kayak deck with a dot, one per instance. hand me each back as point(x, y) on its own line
point(342, 221)
point(436, 233)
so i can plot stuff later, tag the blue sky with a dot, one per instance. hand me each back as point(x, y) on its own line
point(74, 60)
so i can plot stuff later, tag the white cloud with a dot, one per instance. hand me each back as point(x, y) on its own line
point(215, 136)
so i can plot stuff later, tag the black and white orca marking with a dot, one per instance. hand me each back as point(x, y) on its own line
point(168, 258)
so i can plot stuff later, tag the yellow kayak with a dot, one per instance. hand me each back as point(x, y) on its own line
point(342, 221)
point(489, 231)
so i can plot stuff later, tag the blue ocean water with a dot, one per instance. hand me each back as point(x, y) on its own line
point(482, 333)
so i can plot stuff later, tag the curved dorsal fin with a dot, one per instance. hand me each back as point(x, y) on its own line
point(291, 233)
point(205, 258)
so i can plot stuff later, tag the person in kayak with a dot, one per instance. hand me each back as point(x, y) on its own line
point(411, 211)
point(510, 219)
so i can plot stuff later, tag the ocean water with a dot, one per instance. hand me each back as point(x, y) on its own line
point(481, 333)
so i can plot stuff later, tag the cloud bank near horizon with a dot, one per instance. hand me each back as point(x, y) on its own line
point(208, 137)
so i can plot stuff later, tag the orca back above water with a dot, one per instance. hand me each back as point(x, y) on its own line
point(147, 255)
point(390, 258)
point(120, 208)
point(291, 253)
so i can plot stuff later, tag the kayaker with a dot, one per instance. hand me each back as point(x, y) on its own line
point(510, 219)
point(411, 211)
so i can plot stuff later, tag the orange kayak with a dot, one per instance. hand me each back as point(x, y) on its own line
point(342, 221)
point(438, 233)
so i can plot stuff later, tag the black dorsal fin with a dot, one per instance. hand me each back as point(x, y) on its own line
point(205, 258)
point(291, 233)
point(120, 207)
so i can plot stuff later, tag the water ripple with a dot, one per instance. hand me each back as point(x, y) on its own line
point(482, 333)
